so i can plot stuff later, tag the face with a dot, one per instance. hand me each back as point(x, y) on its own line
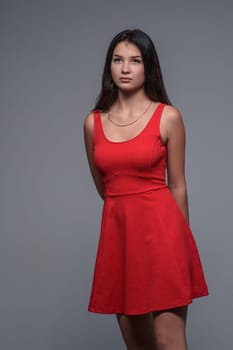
point(127, 67)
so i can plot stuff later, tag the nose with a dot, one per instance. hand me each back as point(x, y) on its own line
point(125, 67)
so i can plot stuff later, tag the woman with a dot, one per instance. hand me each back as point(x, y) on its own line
point(147, 267)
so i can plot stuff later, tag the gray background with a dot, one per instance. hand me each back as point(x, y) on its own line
point(52, 55)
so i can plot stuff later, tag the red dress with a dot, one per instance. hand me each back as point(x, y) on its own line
point(147, 258)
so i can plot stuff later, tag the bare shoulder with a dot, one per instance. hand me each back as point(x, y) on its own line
point(171, 123)
point(172, 115)
point(88, 124)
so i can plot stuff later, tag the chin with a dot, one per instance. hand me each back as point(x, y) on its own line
point(130, 89)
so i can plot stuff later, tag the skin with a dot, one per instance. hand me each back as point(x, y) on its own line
point(163, 330)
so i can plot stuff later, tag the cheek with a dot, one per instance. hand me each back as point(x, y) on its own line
point(141, 75)
point(113, 71)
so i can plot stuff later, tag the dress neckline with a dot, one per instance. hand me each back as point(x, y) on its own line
point(132, 138)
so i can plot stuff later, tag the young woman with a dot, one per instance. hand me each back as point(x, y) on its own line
point(147, 267)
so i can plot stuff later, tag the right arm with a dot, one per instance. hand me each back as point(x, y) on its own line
point(89, 146)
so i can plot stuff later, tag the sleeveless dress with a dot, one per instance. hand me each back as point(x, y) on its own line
point(147, 258)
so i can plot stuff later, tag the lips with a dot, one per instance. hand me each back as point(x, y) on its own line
point(125, 80)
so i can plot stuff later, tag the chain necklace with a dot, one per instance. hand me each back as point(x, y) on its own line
point(134, 121)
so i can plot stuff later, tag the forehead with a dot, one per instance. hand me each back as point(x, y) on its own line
point(125, 48)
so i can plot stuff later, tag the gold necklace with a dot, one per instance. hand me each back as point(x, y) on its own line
point(134, 121)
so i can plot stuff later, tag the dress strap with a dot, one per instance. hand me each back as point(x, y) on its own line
point(156, 124)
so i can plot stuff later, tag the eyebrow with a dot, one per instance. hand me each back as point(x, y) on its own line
point(130, 56)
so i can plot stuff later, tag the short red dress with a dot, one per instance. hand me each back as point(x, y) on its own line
point(147, 258)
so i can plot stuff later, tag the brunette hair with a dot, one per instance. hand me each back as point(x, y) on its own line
point(154, 85)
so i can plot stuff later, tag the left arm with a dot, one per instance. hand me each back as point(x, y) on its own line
point(175, 138)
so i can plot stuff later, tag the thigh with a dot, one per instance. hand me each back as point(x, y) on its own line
point(169, 327)
point(175, 317)
point(137, 331)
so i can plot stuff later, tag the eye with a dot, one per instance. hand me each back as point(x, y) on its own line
point(136, 60)
point(116, 59)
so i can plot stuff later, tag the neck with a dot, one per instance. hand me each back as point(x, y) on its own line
point(131, 102)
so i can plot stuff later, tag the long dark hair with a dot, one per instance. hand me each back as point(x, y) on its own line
point(154, 85)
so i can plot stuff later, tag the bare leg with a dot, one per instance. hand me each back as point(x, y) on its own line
point(137, 331)
point(169, 329)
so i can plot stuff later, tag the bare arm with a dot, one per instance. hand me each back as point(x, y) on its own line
point(175, 137)
point(88, 139)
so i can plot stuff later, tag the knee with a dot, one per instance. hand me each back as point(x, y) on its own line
point(142, 347)
point(142, 344)
point(164, 339)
